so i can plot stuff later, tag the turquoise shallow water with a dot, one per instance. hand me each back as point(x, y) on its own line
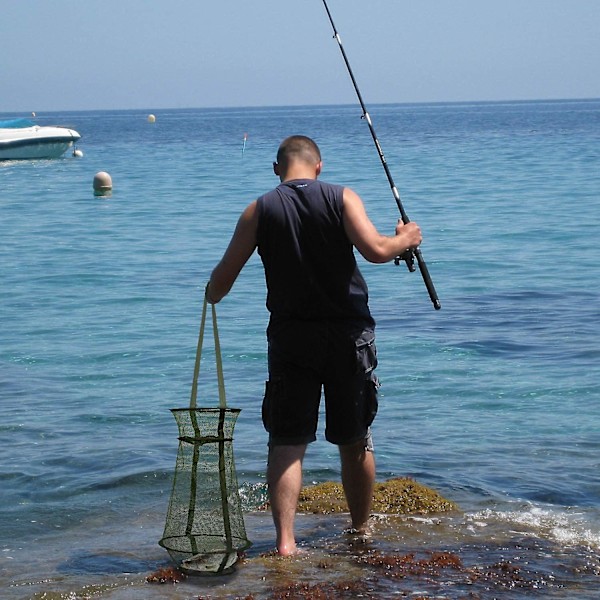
point(493, 401)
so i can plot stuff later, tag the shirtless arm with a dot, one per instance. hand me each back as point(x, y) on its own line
point(240, 249)
point(375, 247)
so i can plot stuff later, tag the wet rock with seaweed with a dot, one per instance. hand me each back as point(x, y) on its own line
point(397, 496)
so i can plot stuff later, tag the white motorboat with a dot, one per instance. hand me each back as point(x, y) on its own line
point(22, 139)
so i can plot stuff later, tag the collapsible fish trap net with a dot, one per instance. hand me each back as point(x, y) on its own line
point(205, 530)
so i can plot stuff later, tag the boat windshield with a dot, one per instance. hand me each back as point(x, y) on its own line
point(16, 123)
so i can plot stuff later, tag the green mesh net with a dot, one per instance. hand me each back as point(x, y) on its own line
point(205, 530)
point(205, 525)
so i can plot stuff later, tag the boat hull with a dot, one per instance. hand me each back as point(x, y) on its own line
point(36, 142)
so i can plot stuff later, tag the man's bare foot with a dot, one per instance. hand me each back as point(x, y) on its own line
point(359, 537)
point(284, 552)
point(287, 549)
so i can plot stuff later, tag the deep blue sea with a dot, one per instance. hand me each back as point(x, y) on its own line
point(494, 400)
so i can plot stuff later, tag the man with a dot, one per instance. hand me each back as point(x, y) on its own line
point(321, 332)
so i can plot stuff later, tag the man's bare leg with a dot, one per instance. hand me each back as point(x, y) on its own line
point(284, 478)
point(358, 479)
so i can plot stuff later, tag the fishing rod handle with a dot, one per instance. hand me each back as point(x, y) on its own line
point(409, 256)
point(427, 279)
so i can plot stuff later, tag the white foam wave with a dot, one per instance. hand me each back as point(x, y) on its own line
point(564, 527)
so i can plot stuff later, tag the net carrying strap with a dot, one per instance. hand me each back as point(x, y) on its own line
point(203, 439)
point(220, 378)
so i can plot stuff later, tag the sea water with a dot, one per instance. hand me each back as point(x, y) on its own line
point(494, 401)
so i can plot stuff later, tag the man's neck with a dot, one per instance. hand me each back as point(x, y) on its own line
point(293, 174)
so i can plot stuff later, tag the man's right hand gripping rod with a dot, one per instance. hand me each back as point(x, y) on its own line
point(410, 255)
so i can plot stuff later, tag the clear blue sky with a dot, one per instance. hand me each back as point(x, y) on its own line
point(105, 54)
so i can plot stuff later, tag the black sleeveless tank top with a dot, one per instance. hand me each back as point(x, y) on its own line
point(309, 262)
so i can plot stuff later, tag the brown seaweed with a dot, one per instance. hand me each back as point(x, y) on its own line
point(397, 496)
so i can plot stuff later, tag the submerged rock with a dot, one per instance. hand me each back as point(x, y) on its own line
point(395, 496)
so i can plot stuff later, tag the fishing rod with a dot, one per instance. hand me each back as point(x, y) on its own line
point(410, 255)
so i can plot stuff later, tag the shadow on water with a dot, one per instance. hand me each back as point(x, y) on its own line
point(524, 324)
point(108, 563)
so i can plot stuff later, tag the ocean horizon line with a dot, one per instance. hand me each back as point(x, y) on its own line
point(150, 109)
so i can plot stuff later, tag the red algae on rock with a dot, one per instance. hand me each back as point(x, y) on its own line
point(166, 575)
point(403, 565)
point(320, 591)
point(435, 565)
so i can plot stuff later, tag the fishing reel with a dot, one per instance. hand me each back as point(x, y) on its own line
point(409, 258)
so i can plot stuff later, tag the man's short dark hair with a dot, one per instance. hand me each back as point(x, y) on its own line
point(298, 147)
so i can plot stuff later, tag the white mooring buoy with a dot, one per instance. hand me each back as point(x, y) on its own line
point(102, 184)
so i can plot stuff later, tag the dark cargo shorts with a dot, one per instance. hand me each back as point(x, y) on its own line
point(308, 357)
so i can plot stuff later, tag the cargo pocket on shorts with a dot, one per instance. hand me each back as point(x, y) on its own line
point(366, 352)
point(366, 361)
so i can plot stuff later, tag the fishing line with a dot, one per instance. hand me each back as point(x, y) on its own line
point(410, 255)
